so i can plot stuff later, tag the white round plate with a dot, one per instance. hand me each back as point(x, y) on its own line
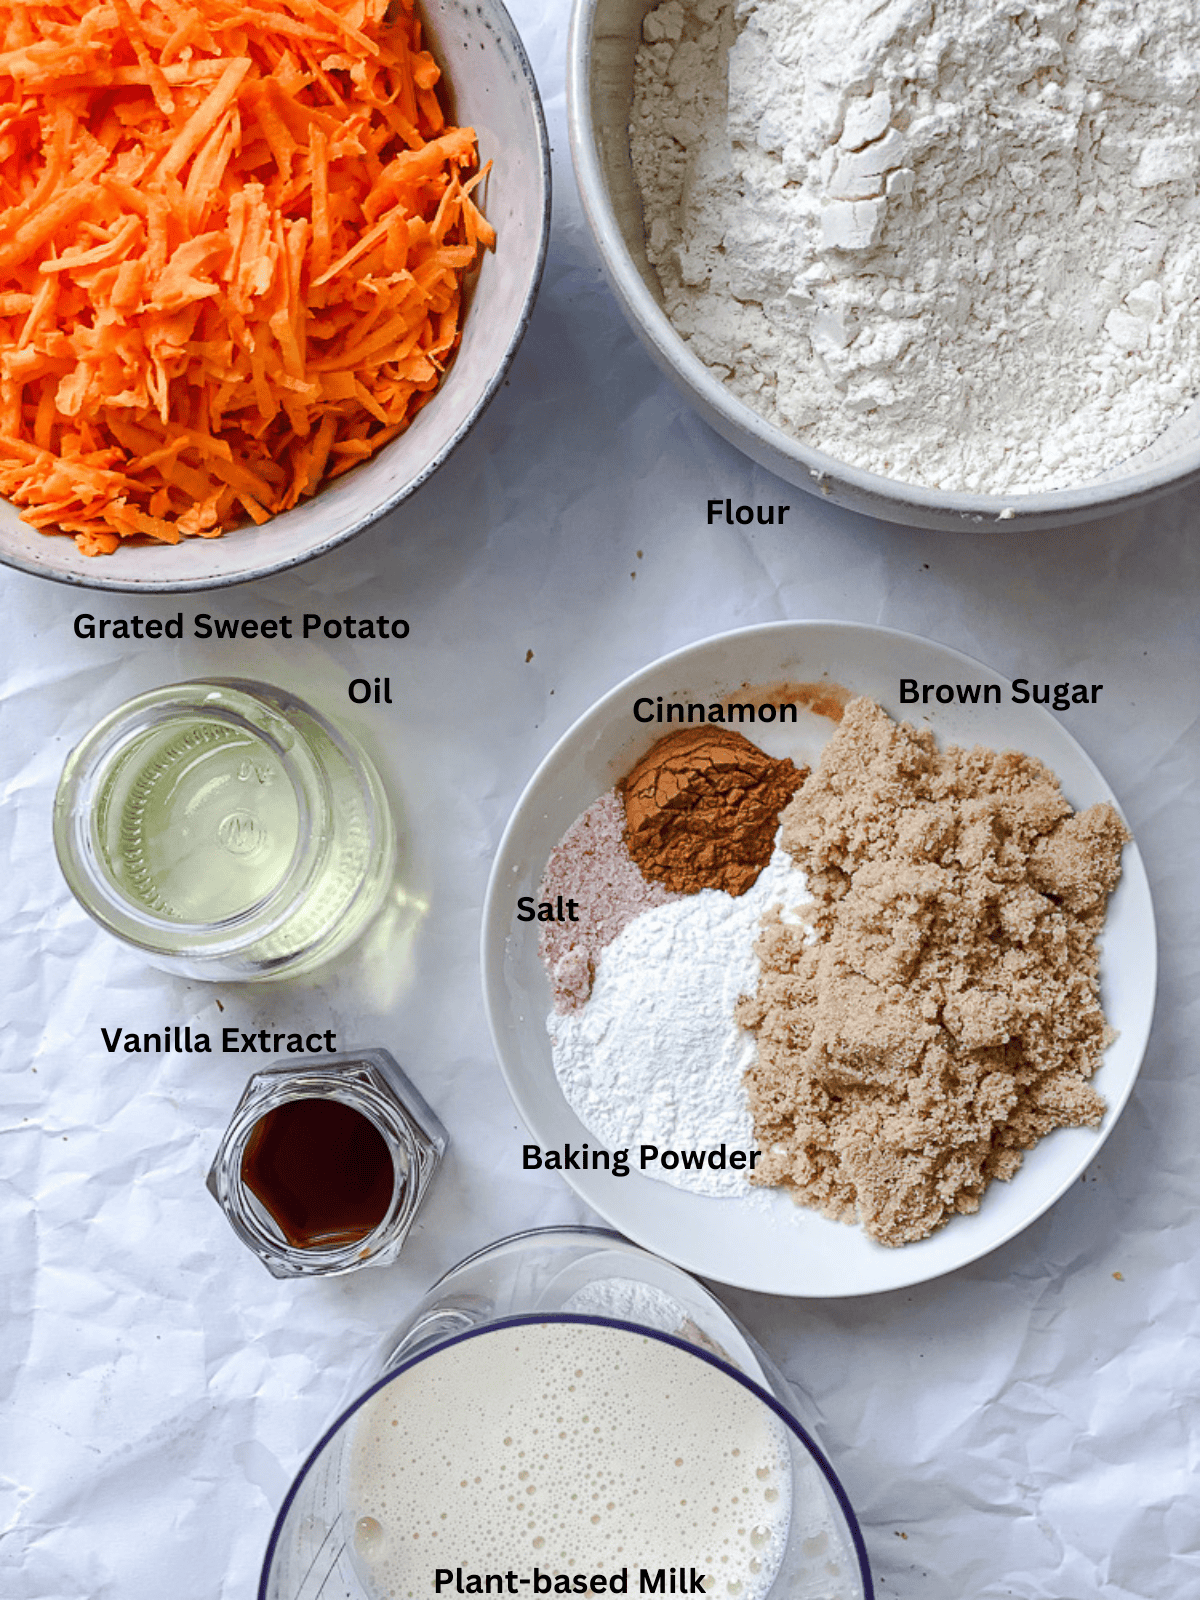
point(768, 1243)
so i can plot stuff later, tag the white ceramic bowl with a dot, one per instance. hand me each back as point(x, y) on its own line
point(492, 89)
point(767, 1242)
point(603, 43)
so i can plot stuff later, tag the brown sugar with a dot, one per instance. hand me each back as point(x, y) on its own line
point(702, 809)
point(948, 1015)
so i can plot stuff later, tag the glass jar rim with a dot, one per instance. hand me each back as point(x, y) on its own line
point(526, 1319)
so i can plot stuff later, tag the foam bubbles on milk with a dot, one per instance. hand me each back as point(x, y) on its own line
point(573, 1448)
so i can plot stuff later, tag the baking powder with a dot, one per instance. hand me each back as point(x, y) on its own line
point(655, 1056)
point(956, 242)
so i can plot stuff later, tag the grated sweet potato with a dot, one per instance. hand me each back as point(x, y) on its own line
point(233, 238)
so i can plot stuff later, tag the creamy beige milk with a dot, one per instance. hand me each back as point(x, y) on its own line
point(569, 1448)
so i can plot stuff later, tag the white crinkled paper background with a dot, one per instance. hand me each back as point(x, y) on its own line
point(1024, 1427)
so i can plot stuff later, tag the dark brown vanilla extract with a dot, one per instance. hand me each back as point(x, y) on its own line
point(322, 1170)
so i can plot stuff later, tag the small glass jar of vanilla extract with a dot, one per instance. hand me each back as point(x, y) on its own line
point(325, 1163)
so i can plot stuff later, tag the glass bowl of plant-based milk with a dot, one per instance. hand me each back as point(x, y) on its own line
point(564, 1413)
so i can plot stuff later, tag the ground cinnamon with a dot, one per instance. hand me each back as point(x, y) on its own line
point(702, 809)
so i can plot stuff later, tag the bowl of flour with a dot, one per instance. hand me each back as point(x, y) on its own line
point(941, 266)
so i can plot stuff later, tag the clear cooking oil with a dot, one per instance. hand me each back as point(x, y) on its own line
point(226, 829)
point(199, 822)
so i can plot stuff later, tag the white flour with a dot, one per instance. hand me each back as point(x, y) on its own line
point(629, 1300)
point(655, 1056)
point(952, 241)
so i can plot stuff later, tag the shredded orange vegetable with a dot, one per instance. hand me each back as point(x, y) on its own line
point(233, 237)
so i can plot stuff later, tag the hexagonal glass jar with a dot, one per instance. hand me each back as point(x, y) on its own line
point(369, 1082)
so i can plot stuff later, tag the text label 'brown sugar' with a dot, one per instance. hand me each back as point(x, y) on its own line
point(1059, 696)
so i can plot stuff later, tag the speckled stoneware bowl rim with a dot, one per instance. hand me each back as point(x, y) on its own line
point(497, 15)
point(795, 462)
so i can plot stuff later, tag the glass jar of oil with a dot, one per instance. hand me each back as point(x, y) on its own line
point(226, 829)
